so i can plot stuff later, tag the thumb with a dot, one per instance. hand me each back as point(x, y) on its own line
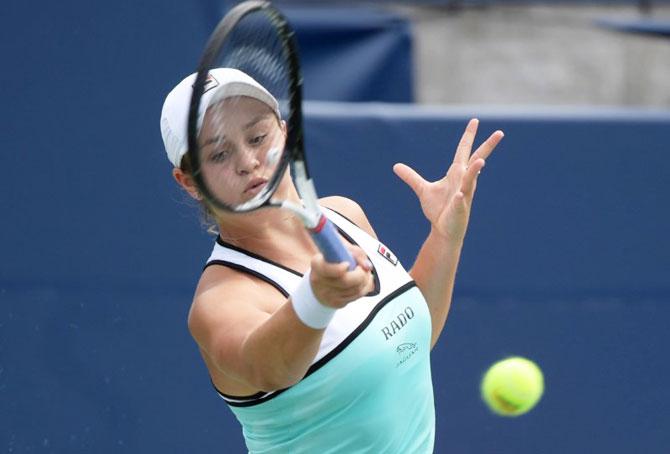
point(361, 257)
point(410, 177)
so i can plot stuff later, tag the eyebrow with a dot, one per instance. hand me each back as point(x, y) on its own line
point(255, 120)
point(212, 140)
point(251, 124)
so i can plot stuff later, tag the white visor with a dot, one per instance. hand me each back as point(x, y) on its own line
point(174, 116)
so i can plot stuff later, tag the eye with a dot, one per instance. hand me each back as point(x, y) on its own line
point(258, 139)
point(219, 156)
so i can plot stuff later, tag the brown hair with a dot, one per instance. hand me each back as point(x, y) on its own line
point(207, 217)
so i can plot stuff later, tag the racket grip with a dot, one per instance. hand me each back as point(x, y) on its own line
point(328, 241)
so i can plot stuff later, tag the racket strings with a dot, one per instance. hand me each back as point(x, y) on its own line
point(256, 47)
point(241, 165)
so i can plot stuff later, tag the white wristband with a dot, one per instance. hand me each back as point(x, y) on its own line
point(309, 310)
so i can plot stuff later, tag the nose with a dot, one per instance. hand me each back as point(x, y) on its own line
point(247, 161)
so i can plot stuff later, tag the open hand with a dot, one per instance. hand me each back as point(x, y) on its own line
point(446, 202)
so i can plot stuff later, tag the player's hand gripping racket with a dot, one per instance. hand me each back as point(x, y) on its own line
point(238, 148)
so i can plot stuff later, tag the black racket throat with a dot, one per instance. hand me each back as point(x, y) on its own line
point(255, 38)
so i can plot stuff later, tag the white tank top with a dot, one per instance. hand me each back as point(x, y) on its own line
point(372, 371)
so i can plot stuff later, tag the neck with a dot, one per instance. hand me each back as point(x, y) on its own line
point(260, 224)
point(268, 230)
point(276, 234)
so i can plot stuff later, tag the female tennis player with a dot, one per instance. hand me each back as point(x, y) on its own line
point(313, 356)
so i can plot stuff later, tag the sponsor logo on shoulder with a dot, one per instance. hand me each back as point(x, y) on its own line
point(387, 254)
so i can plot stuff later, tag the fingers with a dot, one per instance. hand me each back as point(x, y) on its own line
point(360, 257)
point(469, 182)
point(486, 148)
point(477, 163)
point(463, 156)
point(334, 285)
point(328, 270)
point(464, 148)
point(467, 140)
point(336, 270)
point(410, 177)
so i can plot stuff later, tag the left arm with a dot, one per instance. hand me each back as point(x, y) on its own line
point(446, 204)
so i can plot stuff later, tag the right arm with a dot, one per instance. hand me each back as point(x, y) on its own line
point(261, 343)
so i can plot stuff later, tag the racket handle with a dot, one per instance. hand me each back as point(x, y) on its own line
point(327, 240)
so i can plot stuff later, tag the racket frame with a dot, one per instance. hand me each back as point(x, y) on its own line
point(321, 229)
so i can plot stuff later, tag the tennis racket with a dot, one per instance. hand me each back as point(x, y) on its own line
point(238, 146)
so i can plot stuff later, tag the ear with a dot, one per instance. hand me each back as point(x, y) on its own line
point(282, 124)
point(186, 182)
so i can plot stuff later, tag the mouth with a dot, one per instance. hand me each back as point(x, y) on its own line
point(255, 186)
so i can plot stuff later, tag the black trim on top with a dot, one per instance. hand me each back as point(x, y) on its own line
point(375, 291)
point(221, 242)
point(322, 362)
point(229, 396)
point(377, 288)
point(254, 273)
point(251, 397)
point(337, 212)
point(344, 234)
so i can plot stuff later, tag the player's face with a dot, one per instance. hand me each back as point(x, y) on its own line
point(240, 144)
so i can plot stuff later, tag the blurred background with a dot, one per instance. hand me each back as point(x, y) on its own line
point(567, 259)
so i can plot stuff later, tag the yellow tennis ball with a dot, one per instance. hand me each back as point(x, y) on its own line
point(512, 386)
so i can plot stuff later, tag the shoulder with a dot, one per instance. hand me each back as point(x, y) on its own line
point(223, 287)
point(227, 298)
point(351, 210)
point(227, 307)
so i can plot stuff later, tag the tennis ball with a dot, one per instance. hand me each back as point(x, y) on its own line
point(512, 386)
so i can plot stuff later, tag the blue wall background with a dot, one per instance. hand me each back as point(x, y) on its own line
point(566, 260)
